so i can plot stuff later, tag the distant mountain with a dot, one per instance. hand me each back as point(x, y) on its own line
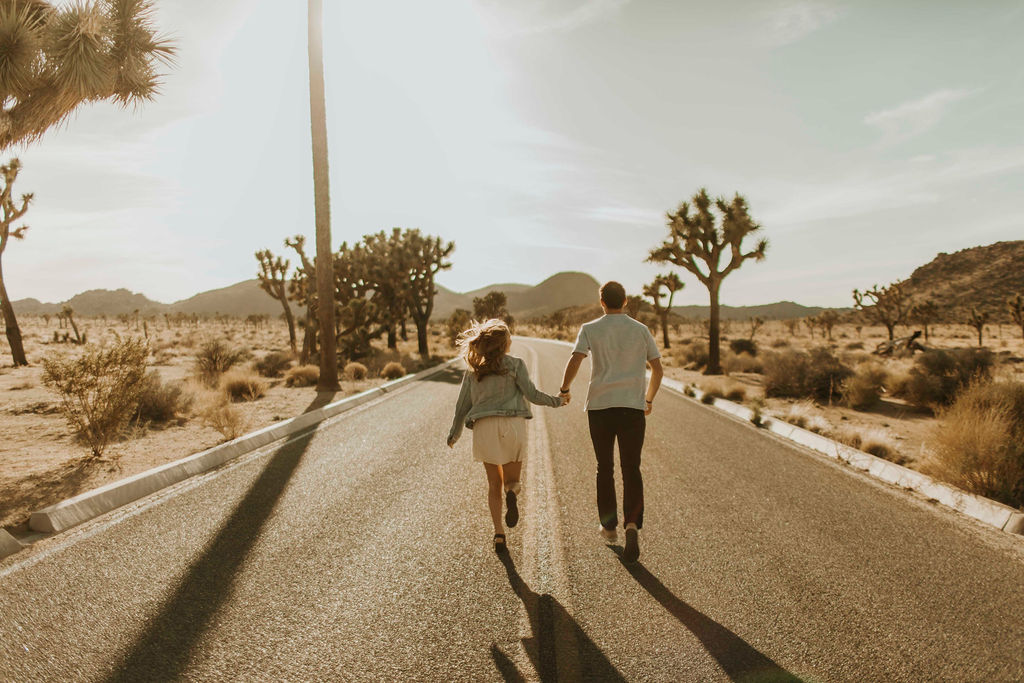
point(979, 277)
point(240, 299)
point(782, 310)
point(94, 302)
point(563, 290)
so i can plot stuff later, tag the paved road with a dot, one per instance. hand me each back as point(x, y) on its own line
point(362, 552)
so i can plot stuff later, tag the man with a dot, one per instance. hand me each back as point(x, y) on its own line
point(617, 406)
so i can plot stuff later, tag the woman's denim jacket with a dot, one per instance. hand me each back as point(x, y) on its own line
point(504, 394)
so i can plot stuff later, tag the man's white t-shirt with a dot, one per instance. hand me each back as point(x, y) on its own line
point(620, 348)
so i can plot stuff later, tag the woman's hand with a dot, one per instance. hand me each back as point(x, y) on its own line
point(566, 397)
point(451, 442)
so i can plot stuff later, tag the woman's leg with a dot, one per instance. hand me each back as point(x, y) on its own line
point(494, 494)
point(510, 476)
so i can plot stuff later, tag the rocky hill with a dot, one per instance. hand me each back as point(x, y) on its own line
point(564, 290)
point(979, 277)
point(782, 310)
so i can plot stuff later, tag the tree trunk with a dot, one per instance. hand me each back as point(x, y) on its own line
point(714, 355)
point(979, 336)
point(291, 324)
point(925, 332)
point(421, 337)
point(891, 328)
point(11, 323)
point(664, 328)
point(322, 202)
point(405, 332)
point(392, 337)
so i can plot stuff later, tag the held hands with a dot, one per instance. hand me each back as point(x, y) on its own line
point(566, 397)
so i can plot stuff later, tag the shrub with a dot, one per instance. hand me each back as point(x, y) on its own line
point(302, 376)
point(855, 346)
point(214, 359)
point(757, 407)
point(736, 393)
point(393, 370)
point(938, 376)
point(693, 355)
point(708, 397)
point(746, 346)
point(863, 389)
point(242, 385)
point(795, 374)
point(743, 362)
point(979, 442)
point(217, 412)
point(273, 364)
point(780, 343)
point(160, 402)
point(355, 371)
point(99, 391)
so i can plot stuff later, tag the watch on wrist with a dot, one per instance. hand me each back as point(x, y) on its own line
point(563, 391)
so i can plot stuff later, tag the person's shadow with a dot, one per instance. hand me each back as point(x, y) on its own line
point(739, 660)
point(554, 630)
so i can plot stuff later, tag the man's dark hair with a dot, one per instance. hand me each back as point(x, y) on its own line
point(613, 295)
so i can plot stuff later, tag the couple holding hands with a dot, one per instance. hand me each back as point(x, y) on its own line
point(497, 390)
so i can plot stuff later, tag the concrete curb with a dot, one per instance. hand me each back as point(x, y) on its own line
point(90, 504)
point(982, 509)
point(8, 544)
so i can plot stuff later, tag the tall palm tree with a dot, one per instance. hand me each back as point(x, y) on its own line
point(322, 201)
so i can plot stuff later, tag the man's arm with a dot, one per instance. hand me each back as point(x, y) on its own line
point(571, 368)
point(652, 387)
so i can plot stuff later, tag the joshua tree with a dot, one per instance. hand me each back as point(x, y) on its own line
point(792, 325)
point(811, 323)
point(697, 243)
point(1016, 306)
point(828, 319)
point(426, 256)
point(491, 305)
point(322, 203)
point(978, 321)
point(756, 323)
point(672, 284)
point(56, 59)
point(302, 288)
point(389, 273)
point(457, 322)
point(69, 315)
point(633, 304)
point(925, 314)
point(11, 213)
point(887, 306)
point(273, 277)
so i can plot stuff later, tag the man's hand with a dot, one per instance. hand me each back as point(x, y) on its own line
point(566, 397)
point(648, 407)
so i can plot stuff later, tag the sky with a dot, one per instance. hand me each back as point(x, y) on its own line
point(544, 136)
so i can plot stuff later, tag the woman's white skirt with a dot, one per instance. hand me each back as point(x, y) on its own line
point(499, 439)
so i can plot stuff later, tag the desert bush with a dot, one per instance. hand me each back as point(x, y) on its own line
point(780, 343)
point(693, 355)
point(99, 390)
point(742, 345)
point(736, 393)
point(978, 444)
point(302, 376)
point(242, 385)
point(393, 370)
point(273, 364)
point(795, 374)
point(161, 402)
point(708, 397)
point(937, 376)
point(799, 413)
point(855, 346)
point(216, 411)
point(757, 407)
point(863, 389)
point(355, 371)
point(214, 358)
point(741, 362)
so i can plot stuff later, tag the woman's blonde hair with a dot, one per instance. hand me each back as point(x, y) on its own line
point(484, 345)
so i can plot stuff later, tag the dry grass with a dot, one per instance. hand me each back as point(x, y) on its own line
point(216, 411)
point(393, 370)
point(273, 364)
point(979, 443)
point(356, 371)
point(302, 376)
point(214, 358)
point(242, 385)
point(863, 389)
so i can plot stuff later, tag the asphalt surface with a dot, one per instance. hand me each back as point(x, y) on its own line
point(363, 552)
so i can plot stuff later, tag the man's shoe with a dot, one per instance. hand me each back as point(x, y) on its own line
point(512, 509)
point(631, 553)
point(609, 535)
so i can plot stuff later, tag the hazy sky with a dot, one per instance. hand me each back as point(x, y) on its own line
point(544, 136)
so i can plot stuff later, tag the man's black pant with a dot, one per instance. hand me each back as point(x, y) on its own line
point(628, 426)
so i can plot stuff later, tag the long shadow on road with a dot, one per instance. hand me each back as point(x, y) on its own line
point(162, 652)
point(740, 660)
point(554, 631)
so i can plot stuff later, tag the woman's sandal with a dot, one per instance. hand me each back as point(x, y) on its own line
point(499, 543)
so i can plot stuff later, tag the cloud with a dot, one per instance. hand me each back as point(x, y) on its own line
point(633, 215)
point(916, 116)
point(543, 20)
point(790, 23)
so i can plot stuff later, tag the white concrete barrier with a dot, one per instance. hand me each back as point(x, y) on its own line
point(85, 506)
point(8, 544)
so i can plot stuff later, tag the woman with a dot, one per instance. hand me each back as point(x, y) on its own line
point(493, 403)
